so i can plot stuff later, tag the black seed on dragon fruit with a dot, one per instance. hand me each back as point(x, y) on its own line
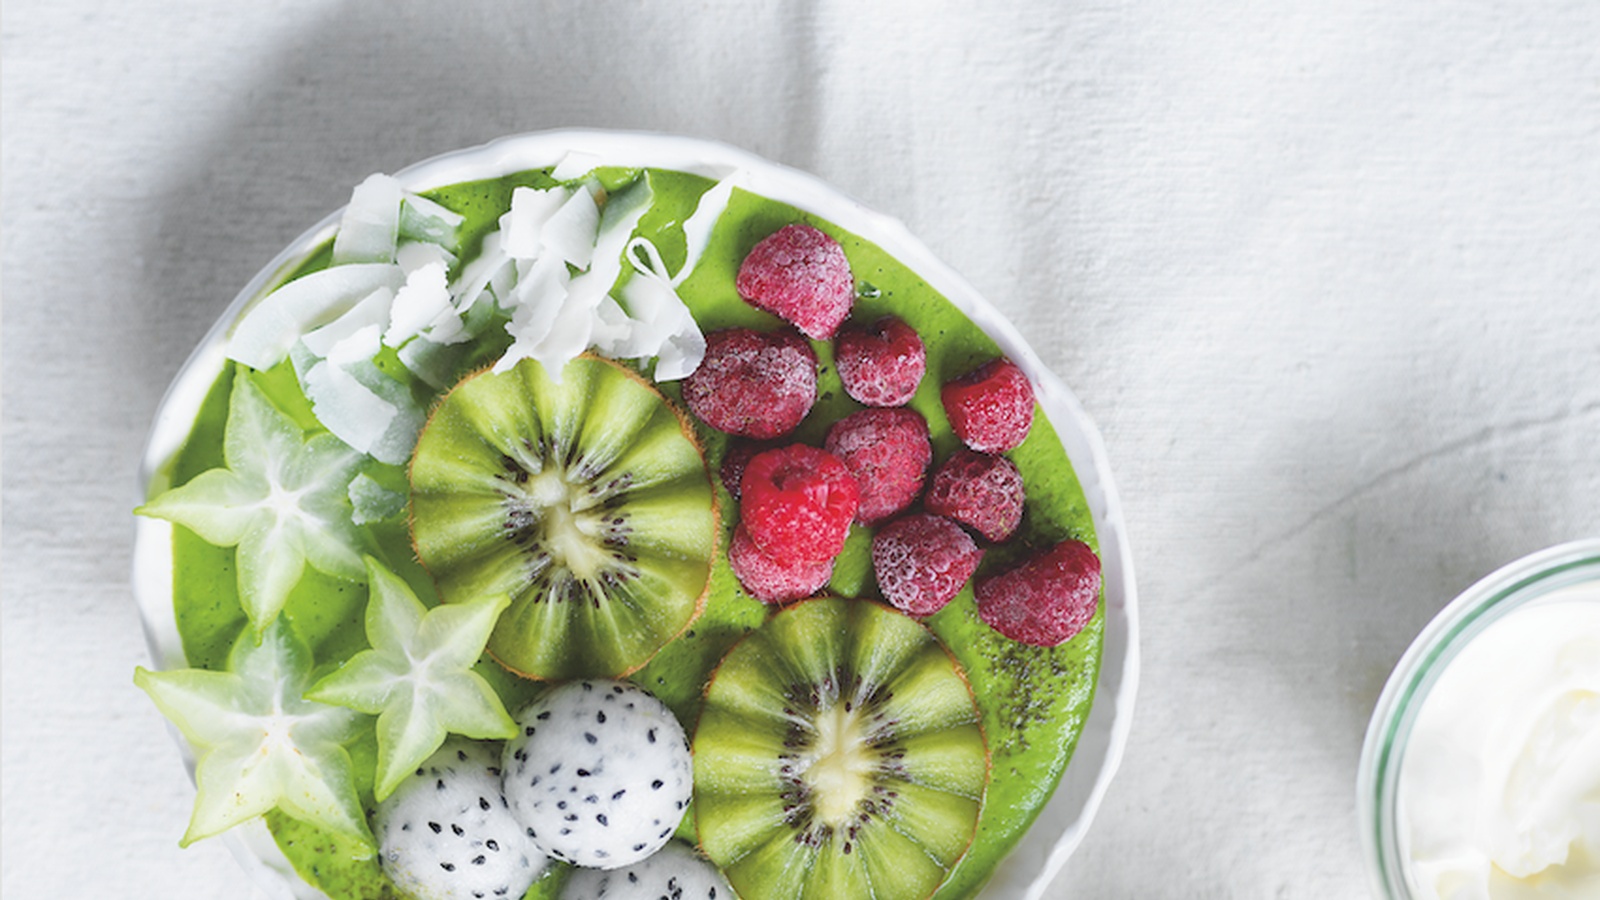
point(675, 871)
point(446, 833)
point(586, 744)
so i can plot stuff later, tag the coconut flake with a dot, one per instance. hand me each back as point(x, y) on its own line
point(537, 300)
point(662, 325)
point(697, 228)
point(448, 327)
point(571, 232)
point(357, 401)
point(537, 297)
point(433, 362)
point(359, 346)
point(372, 502)
point(361, 405)
point(413, 255)
point(575, 164)
point(553, 320)
point(568, 337)
point(521, 225)
point(371, 312)
point(369, 230)
point(428, 222)
point(500, 286)
point(475, 277)
point(267, 331)
point(614, 331)
point(681, 355)
point(622, 214)
point(420, 303)
point(346, 407)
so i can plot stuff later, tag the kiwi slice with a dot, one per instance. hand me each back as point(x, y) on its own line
point(585, 498)
point(838, 754)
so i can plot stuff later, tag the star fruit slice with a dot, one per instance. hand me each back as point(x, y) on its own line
point(282, 498)
point(260, 744)
point(417, 678)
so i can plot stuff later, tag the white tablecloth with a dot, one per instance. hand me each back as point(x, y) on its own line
point(1327, 275)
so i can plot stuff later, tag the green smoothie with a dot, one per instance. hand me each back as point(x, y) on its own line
point(1033, 700)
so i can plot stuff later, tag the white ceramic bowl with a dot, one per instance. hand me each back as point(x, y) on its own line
point(1030, 868)
point(1383, 753)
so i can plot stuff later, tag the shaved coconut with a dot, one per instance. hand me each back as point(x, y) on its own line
point(650, 294)
point(681, 355)
point(622, 214)
point(500, 287)
point(423, 220)
point(570, 233)
point(413, 255)
point(554, 318)
point(530, 209)
point(569, 336)
point(418, 304)
point(644, 333)
point(448, 328)
point(369, 230)
point(652, 320)
point(477, 320)
point(265, 333)
point(361, 404)
point(395, 444)
point(613, 331)
point(433, 362)
point(354, 414)
point(575, 164)
point(372, 502)
point(697, 228)
point(360, 345)
point(470, 284)
point(537, 299)
point(661, 325)
point(371, 312)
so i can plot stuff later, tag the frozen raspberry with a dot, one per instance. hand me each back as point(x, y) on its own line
point(882, 363)
point(735, 458)
point(754, 383)
point(1045, 600)
point(797, 502)
point(991, 407)
point(921, 562)
point(770, 581)
point(980, 491)
point(887, 451)
point(801, 276)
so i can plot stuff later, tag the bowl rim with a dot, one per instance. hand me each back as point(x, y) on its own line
point(1496, 595)
point(1103, 739)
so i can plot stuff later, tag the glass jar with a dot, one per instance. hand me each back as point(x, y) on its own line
point(1378, 777)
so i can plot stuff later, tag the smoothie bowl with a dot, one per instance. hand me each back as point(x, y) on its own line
point(591, 510)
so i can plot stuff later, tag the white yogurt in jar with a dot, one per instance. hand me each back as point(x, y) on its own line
point(1499, 788)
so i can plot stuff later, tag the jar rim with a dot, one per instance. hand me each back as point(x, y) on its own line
point(1491, 598)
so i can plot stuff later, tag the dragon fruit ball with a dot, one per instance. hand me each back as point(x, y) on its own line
point(677, 872)
point(446, 832)
point(600, 773)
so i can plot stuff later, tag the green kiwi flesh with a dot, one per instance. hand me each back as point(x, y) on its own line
point(838, 754)
point(585, 498)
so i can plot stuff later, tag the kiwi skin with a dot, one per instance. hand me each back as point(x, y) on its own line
point(685, 427)
point(955, 665)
